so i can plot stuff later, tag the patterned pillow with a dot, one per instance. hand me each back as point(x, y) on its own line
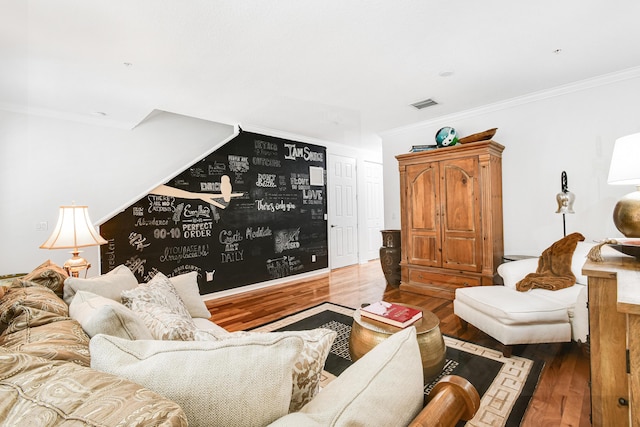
point(307, 369)
point(34, 320)
point(39, 392)
point(162, 322)
point(60, 340)
point(49, 275)
point(158, 290)
point(27, 304)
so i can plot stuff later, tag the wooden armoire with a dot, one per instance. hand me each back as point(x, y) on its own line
point(451, 214)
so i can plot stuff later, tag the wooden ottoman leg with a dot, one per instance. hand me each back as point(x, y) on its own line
point(507, 350)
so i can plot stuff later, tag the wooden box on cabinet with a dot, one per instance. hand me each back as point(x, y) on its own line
point(451, 214)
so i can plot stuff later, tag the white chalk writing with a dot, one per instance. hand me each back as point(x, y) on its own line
point(238, 163)
point(138, 241)
point(160, 203)
point(266, 180)
point(257, 233)
point(294, 152)
point(286, 240)
point(178, 253)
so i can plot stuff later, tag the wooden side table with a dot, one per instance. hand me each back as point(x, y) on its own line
point(367, 333)
point(614, 335)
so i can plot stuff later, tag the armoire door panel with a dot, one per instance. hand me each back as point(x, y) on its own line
point(423, 214)
point(460, 253)
point(461, 217)
point(460, 192)
point(423, 197)
point(425, 250)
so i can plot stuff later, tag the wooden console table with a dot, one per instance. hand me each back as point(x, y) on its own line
point(614, 333)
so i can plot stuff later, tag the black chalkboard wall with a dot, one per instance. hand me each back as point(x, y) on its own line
point(252, 211)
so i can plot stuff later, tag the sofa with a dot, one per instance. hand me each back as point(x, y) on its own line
point(108, 351)
point(535, 316)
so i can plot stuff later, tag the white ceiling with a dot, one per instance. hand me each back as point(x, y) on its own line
point(339, 70)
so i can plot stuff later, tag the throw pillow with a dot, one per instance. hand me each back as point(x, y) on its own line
point(100, 315)
point(159, 290)
point(187, 287)
point(49, 275)
point(385, 385)
point(27, 305)
point(36, 321)
point(164, 323)
point(307, 370)
point(244, 381)
point(109, 285)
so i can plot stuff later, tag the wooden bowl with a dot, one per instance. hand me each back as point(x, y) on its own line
point(629, 246)
point(481, 136)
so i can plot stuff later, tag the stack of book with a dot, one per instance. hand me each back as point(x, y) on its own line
point(416, 148)
point(393, 314)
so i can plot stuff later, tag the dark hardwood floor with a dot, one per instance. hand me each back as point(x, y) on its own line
point(561, 399)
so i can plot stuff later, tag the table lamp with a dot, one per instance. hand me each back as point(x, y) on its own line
point(625, 170)
point(74, 230)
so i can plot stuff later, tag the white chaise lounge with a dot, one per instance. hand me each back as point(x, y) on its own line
point(535, 316)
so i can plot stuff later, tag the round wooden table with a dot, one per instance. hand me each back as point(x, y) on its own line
point(367, 333)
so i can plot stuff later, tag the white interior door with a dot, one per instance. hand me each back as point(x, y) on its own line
point(343, 211)
point(374, 209)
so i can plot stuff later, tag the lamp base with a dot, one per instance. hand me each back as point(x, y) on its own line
point(626, 215)
point(76, 264)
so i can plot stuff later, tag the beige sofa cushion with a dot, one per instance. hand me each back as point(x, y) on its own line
point(187, 287)
point(109, 285)
point(100, 315)
point(244, 381)
point(39, 392)
point(210, 327)
point(384, 386)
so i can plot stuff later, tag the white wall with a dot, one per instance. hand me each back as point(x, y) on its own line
point(48, 162)
point(571, 129)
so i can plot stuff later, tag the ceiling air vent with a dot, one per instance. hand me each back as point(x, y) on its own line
point(424, 104)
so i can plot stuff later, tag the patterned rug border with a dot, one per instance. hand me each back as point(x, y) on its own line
point(497, 402)
point(303, 314)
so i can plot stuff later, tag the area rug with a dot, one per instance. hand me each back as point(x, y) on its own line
point(505, 384)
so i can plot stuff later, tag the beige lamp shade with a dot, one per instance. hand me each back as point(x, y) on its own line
point(625, 170)
point(625, 162)
point(73, 230)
